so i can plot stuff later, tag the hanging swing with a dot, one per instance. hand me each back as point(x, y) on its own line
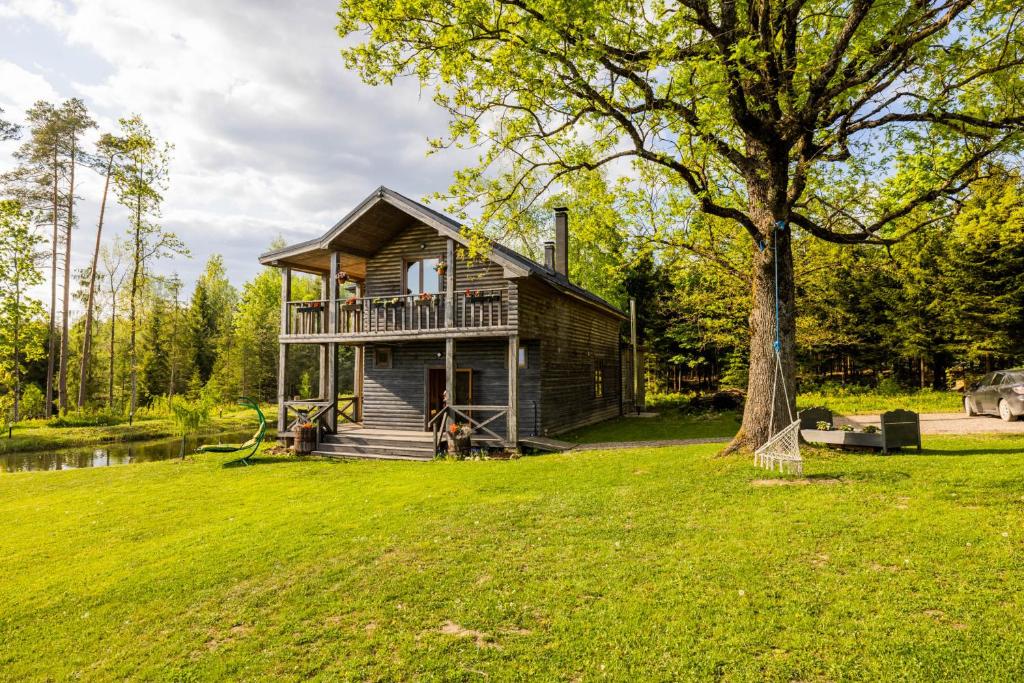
point(783, 447)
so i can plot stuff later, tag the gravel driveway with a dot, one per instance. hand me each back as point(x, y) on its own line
point(946, 423)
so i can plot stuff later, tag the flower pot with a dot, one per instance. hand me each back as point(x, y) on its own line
point(460, 445)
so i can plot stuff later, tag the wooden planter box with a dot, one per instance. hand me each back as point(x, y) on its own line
point(484, 299)
point(305, 440)
point(352, 307)
point(837, 437)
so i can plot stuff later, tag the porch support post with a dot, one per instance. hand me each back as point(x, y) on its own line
point(449, 286)
point(358, 359)
point(322, 373)
point(512, 419)
point(449, 369)
point(331, 365)
point(449, 322)
point(282, 358)
point(358, 365)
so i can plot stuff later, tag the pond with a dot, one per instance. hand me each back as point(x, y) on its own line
point(104, 455)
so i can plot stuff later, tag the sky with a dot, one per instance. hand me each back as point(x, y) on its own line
point(272, 136)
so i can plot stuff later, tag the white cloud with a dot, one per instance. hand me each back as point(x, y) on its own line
point(272, 136)
point(21, 88)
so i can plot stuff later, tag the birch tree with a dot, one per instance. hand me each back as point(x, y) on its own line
point(139, 183)
point(107, 152)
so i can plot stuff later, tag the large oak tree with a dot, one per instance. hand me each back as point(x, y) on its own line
point(851, 121)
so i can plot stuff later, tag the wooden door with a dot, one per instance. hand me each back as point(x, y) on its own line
point(436, 385)
point(435, 391)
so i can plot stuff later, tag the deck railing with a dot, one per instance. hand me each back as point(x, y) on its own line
point(473, 417)
point(374, 315)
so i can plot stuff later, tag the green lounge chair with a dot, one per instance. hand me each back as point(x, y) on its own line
point(252, 445)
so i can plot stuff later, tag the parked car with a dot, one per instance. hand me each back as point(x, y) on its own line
point(998, 393)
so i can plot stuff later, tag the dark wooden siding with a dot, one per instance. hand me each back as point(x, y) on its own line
point(395, 398)
point(384, 269)
point(575, 340)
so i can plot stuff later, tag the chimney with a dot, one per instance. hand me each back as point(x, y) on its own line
point(562, 241)
point(549, 256)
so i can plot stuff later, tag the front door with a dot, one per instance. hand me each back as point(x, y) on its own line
point(435, 391)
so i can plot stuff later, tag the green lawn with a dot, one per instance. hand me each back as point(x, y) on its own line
point(37, 435)
point(855, 401)
point(669, 424)
point(645, 564)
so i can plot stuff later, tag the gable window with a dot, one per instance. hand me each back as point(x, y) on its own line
point(421, 276)
point(598, 383)
point(382, 357)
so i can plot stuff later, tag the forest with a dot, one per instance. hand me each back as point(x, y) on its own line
point(123, 334)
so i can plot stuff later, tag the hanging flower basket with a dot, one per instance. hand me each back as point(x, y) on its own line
point(441, 268)
point(342, 277)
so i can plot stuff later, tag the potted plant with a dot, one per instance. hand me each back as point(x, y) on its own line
point(424, 298)
point(459, 439)
point(342, 277)
point(441, 268)
point(352, 304)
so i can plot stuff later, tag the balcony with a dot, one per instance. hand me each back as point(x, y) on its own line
point(477, 312)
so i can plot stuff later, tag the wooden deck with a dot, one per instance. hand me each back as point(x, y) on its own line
point(356, 441)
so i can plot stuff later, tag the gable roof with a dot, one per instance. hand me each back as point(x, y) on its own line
point(375, 219)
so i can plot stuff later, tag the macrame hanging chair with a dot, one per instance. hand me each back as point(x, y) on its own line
point(782, 449)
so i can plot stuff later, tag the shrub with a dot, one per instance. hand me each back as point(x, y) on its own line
point(86, 418)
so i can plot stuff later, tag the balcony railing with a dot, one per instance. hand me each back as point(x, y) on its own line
point(376, 315)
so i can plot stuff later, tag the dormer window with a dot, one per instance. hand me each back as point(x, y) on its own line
point(421, 276)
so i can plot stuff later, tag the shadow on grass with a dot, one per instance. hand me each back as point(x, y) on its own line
point(281, 459)
point(988, 450)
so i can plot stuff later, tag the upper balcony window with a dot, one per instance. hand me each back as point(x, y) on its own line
point(421, 276)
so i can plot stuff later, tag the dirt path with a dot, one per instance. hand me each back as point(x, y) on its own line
point(946, 423)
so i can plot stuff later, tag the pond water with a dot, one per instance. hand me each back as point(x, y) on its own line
point(104, 455)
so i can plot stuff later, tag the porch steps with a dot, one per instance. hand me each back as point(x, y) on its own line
point(380, 444)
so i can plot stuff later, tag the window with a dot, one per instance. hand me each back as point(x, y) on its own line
point(382, 357)
point(598, 383)
point(421, 276)
point(522, 357)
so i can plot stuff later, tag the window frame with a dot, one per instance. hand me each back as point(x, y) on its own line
point(409, 260)
point(387, 364)
point(598, 382)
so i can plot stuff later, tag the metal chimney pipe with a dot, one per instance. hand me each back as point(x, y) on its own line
point(549, 256)
point(562, 241)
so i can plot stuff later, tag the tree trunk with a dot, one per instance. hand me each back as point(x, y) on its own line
point(83, 371)
point(771, 397)
point(16, 344)
point(51, 356)
point(132, 313)
point(113, 330)
point(64, 324)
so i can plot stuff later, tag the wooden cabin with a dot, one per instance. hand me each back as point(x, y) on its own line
point(524, 352)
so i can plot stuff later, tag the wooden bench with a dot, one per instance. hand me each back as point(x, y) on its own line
point(899, 428)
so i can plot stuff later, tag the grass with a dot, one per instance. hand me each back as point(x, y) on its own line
point(644, 564)
point(855, 401)
point(37, 435)
point(669, 424)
